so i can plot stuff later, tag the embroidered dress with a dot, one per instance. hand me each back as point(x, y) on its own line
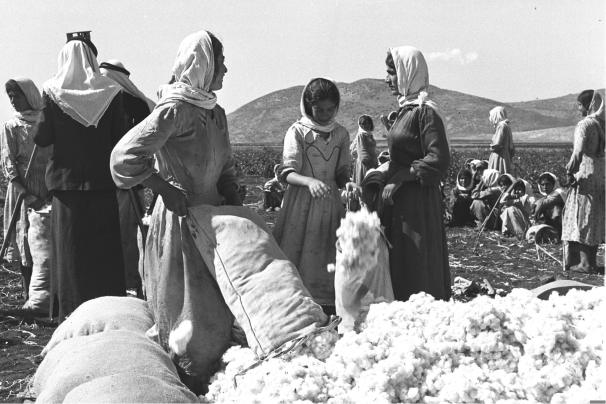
point(583, 220)
point(306, 227)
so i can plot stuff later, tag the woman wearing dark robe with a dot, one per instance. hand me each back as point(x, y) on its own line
point(420, 155)
point(83, 119)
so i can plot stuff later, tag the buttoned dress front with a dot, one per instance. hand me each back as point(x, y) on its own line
point(306, 227)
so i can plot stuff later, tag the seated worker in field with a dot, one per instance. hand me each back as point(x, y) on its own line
point(273, 192)
point(460, 200)
point(548, 209)
point(515, 209)
point(484, 196)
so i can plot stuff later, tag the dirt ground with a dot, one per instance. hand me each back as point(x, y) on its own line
point(504, 263)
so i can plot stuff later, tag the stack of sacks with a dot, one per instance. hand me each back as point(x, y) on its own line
point(101, 354)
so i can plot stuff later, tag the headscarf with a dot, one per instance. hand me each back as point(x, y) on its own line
point(194, 70)
point(108, 70)
point(490, 177)
point(556, 185)
point(32, 95)
point(527, 188)
point(78, 88)
point(595, 112)
point(469, 186)
point(308, 120)
point(497, 115)
point(511, 178)
point(413, 80)
point(361, 132)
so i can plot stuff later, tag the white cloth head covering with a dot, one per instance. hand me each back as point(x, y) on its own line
point(556, 185)
point(78, 88)
point(527, 188)
point(497, 114)
point(596, 108)
point(465, 188)
point(413, 80)
point(490, 177)
point(125, 82)
point(511, 177)
point(32, 95)
point(308, 120)
point(194, 70)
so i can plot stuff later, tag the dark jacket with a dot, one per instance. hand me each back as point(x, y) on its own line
point(80, 159)
point(136, 109)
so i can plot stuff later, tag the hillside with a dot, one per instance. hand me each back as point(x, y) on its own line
point(266, 119)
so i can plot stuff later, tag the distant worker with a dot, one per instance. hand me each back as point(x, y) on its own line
point(548, 209)
point(364, 149)
point(502, 145)
point(273, 192)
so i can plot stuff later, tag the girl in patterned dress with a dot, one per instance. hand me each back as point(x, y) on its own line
point(315, 164)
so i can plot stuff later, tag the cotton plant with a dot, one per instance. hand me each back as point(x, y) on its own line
point(504, 350)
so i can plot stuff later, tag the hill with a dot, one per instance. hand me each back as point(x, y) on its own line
point(266, 119)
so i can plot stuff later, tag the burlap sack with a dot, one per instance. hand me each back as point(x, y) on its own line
point(39, 241)
point(261, 287)
point(131, 388)
point(104, 314)
point(79, 360)
point(356, 290)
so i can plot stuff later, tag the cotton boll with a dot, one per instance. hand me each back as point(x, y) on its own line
point(180, 337)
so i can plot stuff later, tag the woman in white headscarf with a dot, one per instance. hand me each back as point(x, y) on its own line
point(502, 142)
point(583, 221)
point(82, 119)
point(364, 149)
point(17, 145)
point(420, 155)
point(193, 165)
point(548, 209)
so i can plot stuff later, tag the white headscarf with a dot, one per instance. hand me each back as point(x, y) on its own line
point(194, 69)
point(498, 114)
point(125, 82)
point(596, 108)
point(308, 120)
point(490, 177)
point(32, 95)
point(78, 88)
point(413, 80)
point(556, 185)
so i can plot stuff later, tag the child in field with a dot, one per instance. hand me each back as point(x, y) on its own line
point(515, 210)
point(460, 200)
point(485, 195)
point(548, 209)
point(315, 164)
point(273, 192)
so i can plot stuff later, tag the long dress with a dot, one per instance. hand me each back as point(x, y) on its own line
point(86, 253)
point(364, 147)
point(503, 148)
point(413, 224)
point(192, 152)
point(17, 145)
point(583, 220)
point(515, 216)
point(306, 227)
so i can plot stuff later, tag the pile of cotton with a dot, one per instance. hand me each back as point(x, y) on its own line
point(508, 349)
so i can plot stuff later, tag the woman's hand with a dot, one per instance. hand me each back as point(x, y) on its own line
point(388, 192)
point(318, 189)
point(175, 200)
point(353, 190)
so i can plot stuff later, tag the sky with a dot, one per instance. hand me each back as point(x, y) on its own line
point(505, 50)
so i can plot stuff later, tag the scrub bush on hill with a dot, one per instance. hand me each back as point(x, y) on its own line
point(528, 163)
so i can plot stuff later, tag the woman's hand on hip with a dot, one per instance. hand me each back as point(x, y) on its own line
point(175, 200)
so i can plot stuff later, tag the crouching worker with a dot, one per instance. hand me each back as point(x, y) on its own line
point(460, 200)
point(17, 149)
point(548, 209)
point(484, 197)
point(187, 133)
point(515, 209)
point(273, 192)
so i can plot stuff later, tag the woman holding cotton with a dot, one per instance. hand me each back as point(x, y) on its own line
point(420, 155)
point(187, 133)
point(502, 145)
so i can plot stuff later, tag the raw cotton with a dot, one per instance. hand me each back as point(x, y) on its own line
point(508, 349)
point(362, 267)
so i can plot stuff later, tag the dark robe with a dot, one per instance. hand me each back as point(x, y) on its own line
point(86, 259)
